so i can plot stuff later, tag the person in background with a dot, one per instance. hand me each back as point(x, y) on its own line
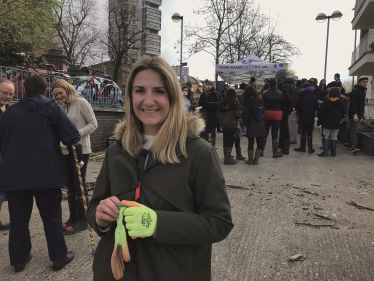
point(189, 102)
point(329, 116)
point(285, 86)
point(252, 82)
point(6, 93)
point(255, 129)
point(159, 165)
point(238, 134)
point(229, 114)
point(81, 114)
point(274, 103)
point(266, 86)
point(209, 109)
point(322, 90)
point(306, 106)
point(224, 91)
point(31, 169)
point(356, 111)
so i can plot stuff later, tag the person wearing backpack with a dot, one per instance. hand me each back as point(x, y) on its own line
point(274, 103)
point(209, 108)
point(306, 106)
point(253, 119)
point(228, 114)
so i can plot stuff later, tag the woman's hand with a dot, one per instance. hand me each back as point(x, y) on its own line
point(81, 163)
point(107, 211)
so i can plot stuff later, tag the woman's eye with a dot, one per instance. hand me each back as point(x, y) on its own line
point(159, 91)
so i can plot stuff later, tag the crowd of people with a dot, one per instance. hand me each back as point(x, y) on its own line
point(288, 107)
point(156, 221)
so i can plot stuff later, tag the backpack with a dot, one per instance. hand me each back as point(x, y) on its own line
point(258, 111)
point(212, 100)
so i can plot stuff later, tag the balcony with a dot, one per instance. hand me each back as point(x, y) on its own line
point(363, 57)
point(154, 2)
point(363, 18)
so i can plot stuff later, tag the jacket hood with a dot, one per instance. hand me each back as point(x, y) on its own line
point(195, 125)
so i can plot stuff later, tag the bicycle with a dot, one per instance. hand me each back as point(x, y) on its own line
point(98, 90)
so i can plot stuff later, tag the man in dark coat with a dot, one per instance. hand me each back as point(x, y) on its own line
point(6, 93)
point(285, 86)
point(356, 111)
point(32, 167)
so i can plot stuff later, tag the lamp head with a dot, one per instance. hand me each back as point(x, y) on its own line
point(321, 17)
point(336, 15)
point(176, 17)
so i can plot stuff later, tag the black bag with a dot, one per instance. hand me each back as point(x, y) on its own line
point(211, 103)
point(258, 111)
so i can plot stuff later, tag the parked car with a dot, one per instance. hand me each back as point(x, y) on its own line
point(99, 91)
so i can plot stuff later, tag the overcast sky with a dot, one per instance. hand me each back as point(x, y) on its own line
point(299, 28)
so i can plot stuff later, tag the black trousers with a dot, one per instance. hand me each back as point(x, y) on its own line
point(260, 143)
point(20, 205)
point(284, 133)
point(228, 138)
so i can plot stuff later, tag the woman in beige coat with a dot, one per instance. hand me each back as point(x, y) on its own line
point(81, 114)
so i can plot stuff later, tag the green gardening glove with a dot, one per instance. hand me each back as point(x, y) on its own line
point(121, 250)
point(141, 221)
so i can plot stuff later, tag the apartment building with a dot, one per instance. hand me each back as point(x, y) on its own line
point(185, 71)
point(146, 24)
point(363, 55)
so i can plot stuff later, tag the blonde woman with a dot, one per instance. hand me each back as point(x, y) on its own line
point(160, 163)
point(81, 114)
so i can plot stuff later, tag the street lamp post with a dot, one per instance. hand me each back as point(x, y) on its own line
point(321, 17)
point(176, 18)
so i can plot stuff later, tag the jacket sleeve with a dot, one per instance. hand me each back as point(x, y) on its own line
point(286, 90)
point(361, 105)
point(353, 103)
point(67, 132)
point(212, 221)
point(89, 116)
point(321, 114)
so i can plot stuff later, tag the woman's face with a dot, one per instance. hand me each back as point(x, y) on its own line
point(323, 82)
point(150, 100)
point(60, 95)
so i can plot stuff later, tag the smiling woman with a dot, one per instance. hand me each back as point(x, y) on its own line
point(180, 210)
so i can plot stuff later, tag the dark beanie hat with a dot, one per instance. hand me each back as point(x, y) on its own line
point(282, 73)
point(362, 78)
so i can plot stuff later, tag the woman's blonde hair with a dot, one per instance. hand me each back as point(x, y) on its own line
point(172, 133)
point(71, 92)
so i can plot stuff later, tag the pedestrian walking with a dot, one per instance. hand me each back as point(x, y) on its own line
point(159, 162)
point(31, 168)
point(81, 114)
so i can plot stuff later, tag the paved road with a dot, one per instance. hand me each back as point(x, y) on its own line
point(292, 205)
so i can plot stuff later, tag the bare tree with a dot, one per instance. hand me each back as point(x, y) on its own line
point(76, 28)
point(124, 35)
point(220, 16)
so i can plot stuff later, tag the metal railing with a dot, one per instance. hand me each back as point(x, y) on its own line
point(366, 45)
